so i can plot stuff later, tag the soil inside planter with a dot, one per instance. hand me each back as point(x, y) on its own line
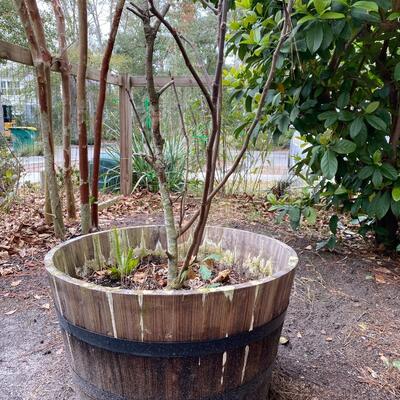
point(152, 271)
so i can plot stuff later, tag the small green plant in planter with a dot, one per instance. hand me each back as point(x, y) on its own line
point(125, 260)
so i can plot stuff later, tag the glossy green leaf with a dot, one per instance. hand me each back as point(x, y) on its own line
point(396, 193)
point(383, 205)
point(366, 172)
point(388, 171)
point(397, 72)
point(376, 122)
point(332, 15)
point(395, 207)
point(356, 126)
point(372, 107)
point(366, 5)
point(329, 164)
point(321, 5)
point(377, 179)
point(344, 146)
point(306, 18)
point(343, 100)
point(333, 224)
point(314, 37)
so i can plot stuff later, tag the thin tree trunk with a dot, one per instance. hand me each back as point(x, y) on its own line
point(105, 66)
point(158, 161)
point(1, 117)
point(65, 69)
point(81, 111)
point(30, 18)
point(213, 144)
point(74, 117)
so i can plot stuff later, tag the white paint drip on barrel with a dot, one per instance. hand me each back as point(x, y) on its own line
point(224, 357)
point(140, 300)
point(57, 296)
point(199, 361)
point(254, 309)
point(229, 294)
point(70, 348)
point(246, 354)
point(111, 305)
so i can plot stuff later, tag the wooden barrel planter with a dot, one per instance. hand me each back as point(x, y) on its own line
point(215, 344)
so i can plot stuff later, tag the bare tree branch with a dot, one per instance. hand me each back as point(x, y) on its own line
point(283, 37)
point(185, 56)
point(165, 87)
point(138, 9)
point(212, 146)
point(210, 6)
point(141, 128)
point(141, 16)
point(163, 13)
point(186, 136)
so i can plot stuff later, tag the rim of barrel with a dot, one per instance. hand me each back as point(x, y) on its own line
point(55, 272)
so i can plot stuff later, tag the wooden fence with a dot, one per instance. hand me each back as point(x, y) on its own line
point(21, 55)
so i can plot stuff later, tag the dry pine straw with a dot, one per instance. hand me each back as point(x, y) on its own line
point(152, 272)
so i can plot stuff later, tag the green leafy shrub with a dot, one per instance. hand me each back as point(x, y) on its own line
point(338, 84)
point(144, 175)
point(9, 174)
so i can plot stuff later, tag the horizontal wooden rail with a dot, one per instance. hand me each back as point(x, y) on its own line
point(22, 55)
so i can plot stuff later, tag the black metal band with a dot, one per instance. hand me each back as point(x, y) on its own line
point(172, 349)
point(241, 392)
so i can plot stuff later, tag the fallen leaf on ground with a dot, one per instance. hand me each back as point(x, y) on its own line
point(222, 276)
point(383, 270)
point(299, 335)
point(37, 297)
point(10, 312)
point(309, 247)
point(6, 271)
point(329, 339)
point(283, 340)
point(16, 283)
point(379, 278)
point(46, 306)
point(372, 372)
point(139, 277)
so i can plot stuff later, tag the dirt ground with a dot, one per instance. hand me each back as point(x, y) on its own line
point(342, 324)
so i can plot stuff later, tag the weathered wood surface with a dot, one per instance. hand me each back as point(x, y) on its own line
point(174, 316)
point(22, 55)
point(125, 142)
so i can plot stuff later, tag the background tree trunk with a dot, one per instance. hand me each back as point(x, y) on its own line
point(81, 117)
point(65, 69)
point(30, 18)
point(98, 125)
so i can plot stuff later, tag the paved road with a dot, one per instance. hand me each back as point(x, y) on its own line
point(267, 168)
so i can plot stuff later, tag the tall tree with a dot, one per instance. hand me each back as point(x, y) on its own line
point(32, 22)
point(98, 125)
point(82, 124)
point(65, 69)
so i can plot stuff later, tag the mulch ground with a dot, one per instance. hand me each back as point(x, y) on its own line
point(342, 329)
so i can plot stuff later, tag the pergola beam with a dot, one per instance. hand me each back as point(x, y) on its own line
point(22, 55)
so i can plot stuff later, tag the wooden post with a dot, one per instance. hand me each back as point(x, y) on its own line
point(1, 117)
point(125, 139)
